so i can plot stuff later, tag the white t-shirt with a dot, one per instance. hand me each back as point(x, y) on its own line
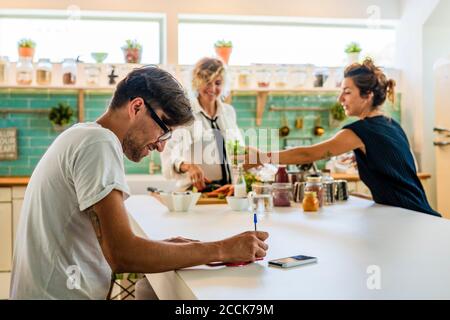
point(57, 254)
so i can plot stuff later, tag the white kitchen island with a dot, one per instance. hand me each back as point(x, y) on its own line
point(364, 251)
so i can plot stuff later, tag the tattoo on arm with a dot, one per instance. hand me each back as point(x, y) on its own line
point(95, 223)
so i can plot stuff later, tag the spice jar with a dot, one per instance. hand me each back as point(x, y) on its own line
point(282, 194)
point(92, 74)
point(44, 72)
point(310, 202)
point(24, 71)
point(263, 76)
point(4, 67)
point(69, 70)
point(314, 184)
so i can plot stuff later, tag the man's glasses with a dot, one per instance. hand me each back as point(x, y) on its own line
point(167, 132)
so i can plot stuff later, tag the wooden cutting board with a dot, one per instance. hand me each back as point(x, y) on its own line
point(203, 200)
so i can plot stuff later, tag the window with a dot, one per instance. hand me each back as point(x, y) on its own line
point(73, 33)
point(284, 40)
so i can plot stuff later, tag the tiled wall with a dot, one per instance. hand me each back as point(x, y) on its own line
point(35, 132)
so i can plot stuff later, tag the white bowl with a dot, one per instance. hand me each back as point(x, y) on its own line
point(180, 201)
point(237, 204)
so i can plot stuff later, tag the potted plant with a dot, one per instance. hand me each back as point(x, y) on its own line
point(26, 48)
point(132, 51)
point(60, 116)
point(353, 50)
point(337, 114)
point(223, 49)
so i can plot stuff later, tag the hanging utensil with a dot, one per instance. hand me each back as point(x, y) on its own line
point(299, 122)
point(318, 129)
point(284, 130)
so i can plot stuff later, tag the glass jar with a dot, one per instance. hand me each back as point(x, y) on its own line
point(244, 78)
point(92, 73)
point(320, 77)
point(281, 176)
point(314, 184)
point(261, 197)
point(69, 71)
point(328, 187)
point(44, 72)
point(282, 194)
point(4, 68)
point(281, 77)
point(310, 202)
point(263, 76)
point(24, 71)
point(298, 77)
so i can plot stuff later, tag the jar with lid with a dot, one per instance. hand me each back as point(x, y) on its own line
point(243, 78)
point(261, 197)
point(281, 77)
point(282, 194)
point(328, 187)
point(4, 68)
point(320, 77)
point(92, 74)
point(263, 75)
point(281, 176)
point(24, 71)
point(314, 184)
point(44, 72)
point(310, 202)
point(69, 71)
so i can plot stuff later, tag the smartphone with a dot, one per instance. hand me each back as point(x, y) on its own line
point(294, 261)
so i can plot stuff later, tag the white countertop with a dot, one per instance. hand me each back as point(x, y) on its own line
point(411, 249)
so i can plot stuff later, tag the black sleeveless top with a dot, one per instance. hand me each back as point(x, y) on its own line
point(388, 167)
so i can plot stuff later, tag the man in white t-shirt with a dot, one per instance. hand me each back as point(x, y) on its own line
point(74, 229)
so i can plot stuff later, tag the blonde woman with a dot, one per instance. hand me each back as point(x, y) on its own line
point(196, 154)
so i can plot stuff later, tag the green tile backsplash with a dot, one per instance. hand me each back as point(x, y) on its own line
point(35, 132)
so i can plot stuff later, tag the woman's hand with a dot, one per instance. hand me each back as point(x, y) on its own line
point(196, 175)
point(254, 158)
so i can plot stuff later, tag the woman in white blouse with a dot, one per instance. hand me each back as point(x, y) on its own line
point(196, 154)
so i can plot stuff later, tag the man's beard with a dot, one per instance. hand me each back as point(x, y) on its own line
point(131, 149)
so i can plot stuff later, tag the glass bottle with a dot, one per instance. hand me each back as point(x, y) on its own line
point(24, 71)
point(44, 72)
point(310, 202)
point(314, 184)
point(4, 67)
point(69, 70)
point(240, 187)
point(281, 176)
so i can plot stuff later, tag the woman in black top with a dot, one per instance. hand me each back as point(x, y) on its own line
point(383, 155)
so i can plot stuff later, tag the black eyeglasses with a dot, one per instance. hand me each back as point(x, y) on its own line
point(167, 132)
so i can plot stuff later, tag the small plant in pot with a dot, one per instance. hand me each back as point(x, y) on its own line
point(353, 51)
point(132, 51)
point(223, 49)
point(337, 114)
point(60, 116)
point(26, 48)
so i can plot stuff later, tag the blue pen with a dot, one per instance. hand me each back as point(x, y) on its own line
point(255, 219)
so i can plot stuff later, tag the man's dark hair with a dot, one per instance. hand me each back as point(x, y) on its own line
point(159, 89)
